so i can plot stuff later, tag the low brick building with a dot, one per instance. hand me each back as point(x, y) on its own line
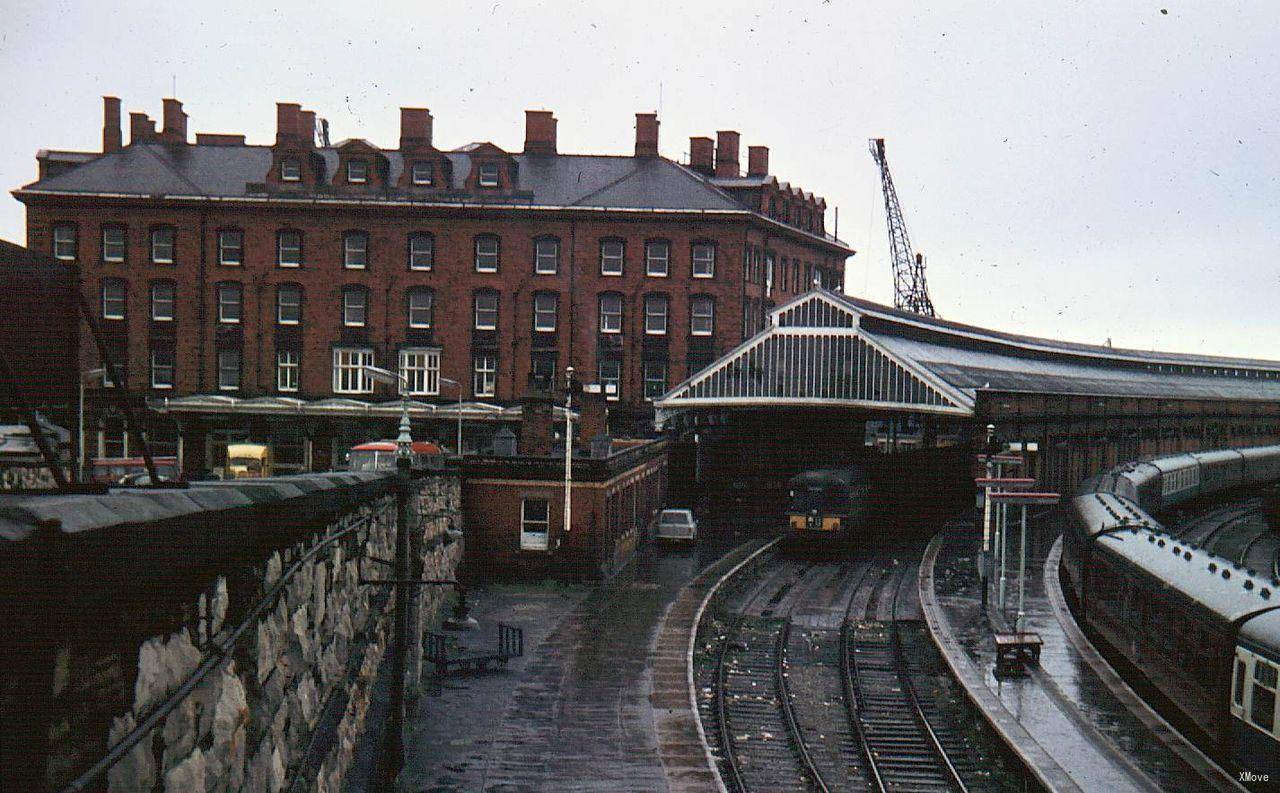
point(248, 284)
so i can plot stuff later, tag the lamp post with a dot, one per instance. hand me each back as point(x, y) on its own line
point(404, 440)
point(568, 449)
point(986, 517)
point(447, 381)
point(80, 466)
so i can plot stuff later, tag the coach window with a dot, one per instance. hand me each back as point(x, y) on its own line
point(230, 300)
point(163, 299)
point(421, 307)
point(704, 260)
point(546, 256)
point(288, 304)
point(64, 241)
point(355, 306)
point(544, 311)
point(355, 250)
point(231, 247)
point(162, 245)
point(289, 248)
point(612, 253)
point(114, 243)
point(486, 253)
point(610, 312)
point(655, 315)
point(657, 258)
point(702, 315)
point(422, 249)
point(113, 298)
point(1262, 708)
point(535, 523)
point(486, 310)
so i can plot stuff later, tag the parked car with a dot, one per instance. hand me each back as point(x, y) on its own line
point(115, 470)
point(675, 525)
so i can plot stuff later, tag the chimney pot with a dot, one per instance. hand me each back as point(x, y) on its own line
point(727, 153)
point(415, 127)
point(175, 122)
point(110, 124)
point(539, 132)
point(701, 155)
point(141, 128)
point(646, 134)
point(757, 161)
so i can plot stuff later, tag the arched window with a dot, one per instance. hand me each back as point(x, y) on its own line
point(288, 248)
point(487, 250)
point(546, 255)
point(655, 315)
point(702, 315)
point(421, 305)
point(114, 298)
point(703, 255)
point(657, 258)
point(164, 299)
point(422, 251)
point(612, 254)
point(355, 250)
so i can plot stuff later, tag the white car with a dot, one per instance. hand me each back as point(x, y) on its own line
point(675, 525)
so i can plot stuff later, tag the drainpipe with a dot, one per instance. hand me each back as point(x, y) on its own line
point(573, 303)
point(259, 282)
point(201, 308)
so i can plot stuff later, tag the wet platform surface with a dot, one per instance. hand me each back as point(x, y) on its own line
point(1064, 706)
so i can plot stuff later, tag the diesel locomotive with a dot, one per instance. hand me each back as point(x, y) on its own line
point(827, 506)
point(1201, 629)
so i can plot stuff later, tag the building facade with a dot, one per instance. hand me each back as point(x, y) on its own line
point(245, 273)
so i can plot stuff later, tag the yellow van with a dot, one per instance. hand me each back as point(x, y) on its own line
point(248, 460)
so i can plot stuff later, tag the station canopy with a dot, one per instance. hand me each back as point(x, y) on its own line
point(339, 407)
point(824, 349)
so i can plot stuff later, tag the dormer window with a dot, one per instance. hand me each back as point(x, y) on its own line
point(291, 169)
point(422, 173)
point(357, 171)
point(488, 174)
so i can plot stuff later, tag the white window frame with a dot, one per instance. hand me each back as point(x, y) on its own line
point(223, 369)
point(605, 325)
point(537, 539)
point(348, 307)
point(648, 379)
point(540, 312)
point(123, 299)
point(488, 175)
point(349, 376)
point(430, 307)
point(60, 240)
point(430, 253)
point(484, 375)
point(223, 248)
point(172, 366)
point(709, 317)
point(291, 169)
point(475, 302)
point(288, 370)
point(173, 301)
point(281, 290)
point(539, 257)
point(224, 291)
point(614, 379)
point(486, 240)
point(420, 367)
point(172, 245)
point(610, 259)
point(416, 174)
point(650, 260)
point(281, 236)
point(349, 250)
point(357, 178)
point(651, 327)
point(107, 245)
point(707, 263)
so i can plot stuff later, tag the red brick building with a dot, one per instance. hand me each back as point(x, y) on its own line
point(245, 285)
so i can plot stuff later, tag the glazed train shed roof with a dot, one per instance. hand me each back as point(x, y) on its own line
point(822, 348)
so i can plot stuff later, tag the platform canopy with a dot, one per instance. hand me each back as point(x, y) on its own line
point(823, 349)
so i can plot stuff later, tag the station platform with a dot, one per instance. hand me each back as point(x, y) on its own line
point(1074, 722)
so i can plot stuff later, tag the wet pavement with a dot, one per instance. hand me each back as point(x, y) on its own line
point(1064, 706)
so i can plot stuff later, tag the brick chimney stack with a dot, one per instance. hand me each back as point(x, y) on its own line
point(593, 416)
point(727, 153)
point(539, 132)
point(701, 155)
point(288, 117)
point(757, 161)
point(646, 134)
point(536, 419)
point(307, 128)
point(175, 122)
point(415, 127)
point(141, 128)
point(110, 124)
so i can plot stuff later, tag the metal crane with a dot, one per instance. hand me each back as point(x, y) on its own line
point(910, 291)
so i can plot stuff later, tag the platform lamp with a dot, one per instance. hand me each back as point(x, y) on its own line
point(85, 375)
point(404, 440)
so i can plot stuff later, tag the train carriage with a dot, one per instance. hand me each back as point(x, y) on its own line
point(827, 506)
point(1255, 717)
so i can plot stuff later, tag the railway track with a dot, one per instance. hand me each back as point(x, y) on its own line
point(812, 688)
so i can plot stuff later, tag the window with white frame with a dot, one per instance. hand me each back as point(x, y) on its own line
point(349, 375)
point(655, 315)
point(162, 245)
point(486, 311)
point(421, 308)
point(355, 306)
point(655, 379)
point(488, 174)
point(546, 256)
point(114, 244)
point(113, 298)
point(422, 173)
point(542, 367)
point(657, 258)
point(287, 367)
point(163, 301)
point(421, 369)
point(357, 171)
point(702, 316)
point(288, 304)
point(64, 241)
point(486, 250)
point(610, 313)
point(544, 311)
point(1262, 705)
point(610, 377)
point(230, 299)
point(421, 252)
point(231, 247)
point(612, 253)
point(162, 367)
point(535, 524)
point(484, 380)
point(289, 249)
point(704, 260)
point(355, 250)
point(290, 169)
point(228, 370)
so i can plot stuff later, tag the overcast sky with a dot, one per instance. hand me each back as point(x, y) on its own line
point(1073, 170)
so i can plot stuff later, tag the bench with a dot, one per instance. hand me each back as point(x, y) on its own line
point(510, 645)
point(1015, 651)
